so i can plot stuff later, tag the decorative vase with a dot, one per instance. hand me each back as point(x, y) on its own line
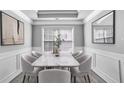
point(56, 51)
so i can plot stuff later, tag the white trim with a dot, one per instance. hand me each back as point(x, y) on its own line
point(22, 15)
point(92, 15)
point(113, 55)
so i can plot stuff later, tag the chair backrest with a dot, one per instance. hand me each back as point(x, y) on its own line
point(81, 58)
point(85, 65)
point(30, 58)
point(26, 65)
point(75, 54)
point(36, 54)
point(79, 54)
point(54, 76)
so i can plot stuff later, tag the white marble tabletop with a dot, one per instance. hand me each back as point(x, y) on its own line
point(49, 60)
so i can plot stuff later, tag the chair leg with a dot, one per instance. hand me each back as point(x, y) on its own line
point(88, 78)
point(24, 78)
point(71, 78)
point(85, 79)
point(29, 78)
point(37, 79)
point(74, 79)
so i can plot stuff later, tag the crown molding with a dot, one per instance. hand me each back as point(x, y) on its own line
point(22, 15)
point(92, 15)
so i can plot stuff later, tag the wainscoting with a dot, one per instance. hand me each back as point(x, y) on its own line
point(10, 65)
point(108, 65)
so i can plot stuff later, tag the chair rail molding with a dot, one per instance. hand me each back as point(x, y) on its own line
point(10, 64)
point(108, 65)
point(114, 55)
point(14, 52)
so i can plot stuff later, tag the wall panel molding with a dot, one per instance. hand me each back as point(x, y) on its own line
point(10, 64)
point(108, 65)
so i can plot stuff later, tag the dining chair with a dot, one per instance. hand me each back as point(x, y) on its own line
point(83, 72)
point(81, 53)
point(27, 68)
point(81, 58)
point(75, 54)
point(54, 76)
point(36, 54)
point(30, 58)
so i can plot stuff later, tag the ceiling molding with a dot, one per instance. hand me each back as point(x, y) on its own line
point(57, 11)
point(56, 22)
point(92, 15)
point(22, 15)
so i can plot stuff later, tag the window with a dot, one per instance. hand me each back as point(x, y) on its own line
point(49, 34)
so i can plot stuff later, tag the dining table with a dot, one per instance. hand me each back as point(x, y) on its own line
point(50, 60)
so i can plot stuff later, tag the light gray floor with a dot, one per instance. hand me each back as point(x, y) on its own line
point(20, 79)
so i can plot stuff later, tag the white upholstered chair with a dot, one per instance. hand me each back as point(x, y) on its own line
point(79, 55)
point(81, 58)
point(83, 72)
point(75, 54)
point(54, 76)
point(36, 54)
point(27, 68)
point(30, 58)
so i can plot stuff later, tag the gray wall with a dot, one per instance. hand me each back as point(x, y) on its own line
point(37, 35)
point(118, 47)
point(28, 35)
